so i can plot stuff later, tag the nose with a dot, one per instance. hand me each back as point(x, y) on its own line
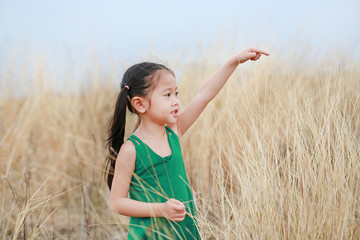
point(175, 101)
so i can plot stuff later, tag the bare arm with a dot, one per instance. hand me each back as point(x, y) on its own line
point(212, 87)
point(119, 201)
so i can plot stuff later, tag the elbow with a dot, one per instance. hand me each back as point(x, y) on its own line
point(112, 206)
point(115, 205)
point(119, 205)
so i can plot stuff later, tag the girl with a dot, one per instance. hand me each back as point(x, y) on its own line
point(146, 174)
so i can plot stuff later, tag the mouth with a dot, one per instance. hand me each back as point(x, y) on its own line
point(175, 112)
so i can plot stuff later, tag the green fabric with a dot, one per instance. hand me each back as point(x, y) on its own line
point(155, 177)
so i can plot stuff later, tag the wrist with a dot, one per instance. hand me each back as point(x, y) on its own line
point(158, 209)
point(234, 61)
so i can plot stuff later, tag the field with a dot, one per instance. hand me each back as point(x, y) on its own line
point(275, 155)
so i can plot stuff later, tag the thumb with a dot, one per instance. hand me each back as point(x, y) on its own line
point(180, 207)
point(172, 200)
point(177, 202)
point(252, 54)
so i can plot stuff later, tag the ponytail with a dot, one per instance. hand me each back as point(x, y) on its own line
point(116, 135)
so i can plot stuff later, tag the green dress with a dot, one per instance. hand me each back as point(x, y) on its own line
point(157, 179)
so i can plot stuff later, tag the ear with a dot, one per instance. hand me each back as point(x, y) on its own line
point(139, 104)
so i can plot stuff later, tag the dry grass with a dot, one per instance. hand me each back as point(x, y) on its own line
point(275, 156)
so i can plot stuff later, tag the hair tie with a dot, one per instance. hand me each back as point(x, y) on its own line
point(127, 87)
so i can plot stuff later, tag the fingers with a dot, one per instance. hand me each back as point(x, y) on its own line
point(257, 56)
point(252, 55)
point(179, 217)
point(177, 205)
point(257, 50)
point(175, 201)
point(177, 212)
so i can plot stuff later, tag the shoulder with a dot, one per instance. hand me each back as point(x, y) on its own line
point(127, 153)
point(128, 147)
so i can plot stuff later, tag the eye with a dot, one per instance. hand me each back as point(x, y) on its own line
point(167, 95)
point(176, 93)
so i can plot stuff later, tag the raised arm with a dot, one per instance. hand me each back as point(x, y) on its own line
point(212, 87)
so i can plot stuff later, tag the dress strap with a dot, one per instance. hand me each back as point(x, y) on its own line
point(170, 131)
point(135, 140)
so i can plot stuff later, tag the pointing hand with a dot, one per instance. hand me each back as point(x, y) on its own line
point(250, 54)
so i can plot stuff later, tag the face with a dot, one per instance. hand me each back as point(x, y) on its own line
point(163, 101)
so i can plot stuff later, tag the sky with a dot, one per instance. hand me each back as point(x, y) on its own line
point(69, 31)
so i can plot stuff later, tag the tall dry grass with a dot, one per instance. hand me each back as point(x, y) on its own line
point(276, 155)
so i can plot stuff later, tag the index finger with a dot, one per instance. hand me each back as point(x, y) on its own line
point(259, 51)
point(175, 201)
point(179, 207)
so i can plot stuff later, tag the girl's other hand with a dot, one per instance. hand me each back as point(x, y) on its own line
point(250, 54)
point(174, 210)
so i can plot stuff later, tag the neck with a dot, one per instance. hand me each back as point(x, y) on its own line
point(149, 129)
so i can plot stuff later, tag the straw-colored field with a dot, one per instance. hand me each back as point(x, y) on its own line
point(276, 155)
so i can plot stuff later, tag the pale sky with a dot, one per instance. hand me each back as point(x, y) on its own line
point(129, 30)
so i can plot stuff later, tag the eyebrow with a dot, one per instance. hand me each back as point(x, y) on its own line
point(166, 89)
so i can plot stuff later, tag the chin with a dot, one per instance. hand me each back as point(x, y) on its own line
point(172, 121)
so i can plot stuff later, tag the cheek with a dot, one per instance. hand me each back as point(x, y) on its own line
point(155, 103)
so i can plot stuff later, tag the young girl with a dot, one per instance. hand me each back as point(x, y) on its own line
point(146, 173)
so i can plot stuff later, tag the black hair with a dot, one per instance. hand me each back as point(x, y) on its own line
point(136, 81)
